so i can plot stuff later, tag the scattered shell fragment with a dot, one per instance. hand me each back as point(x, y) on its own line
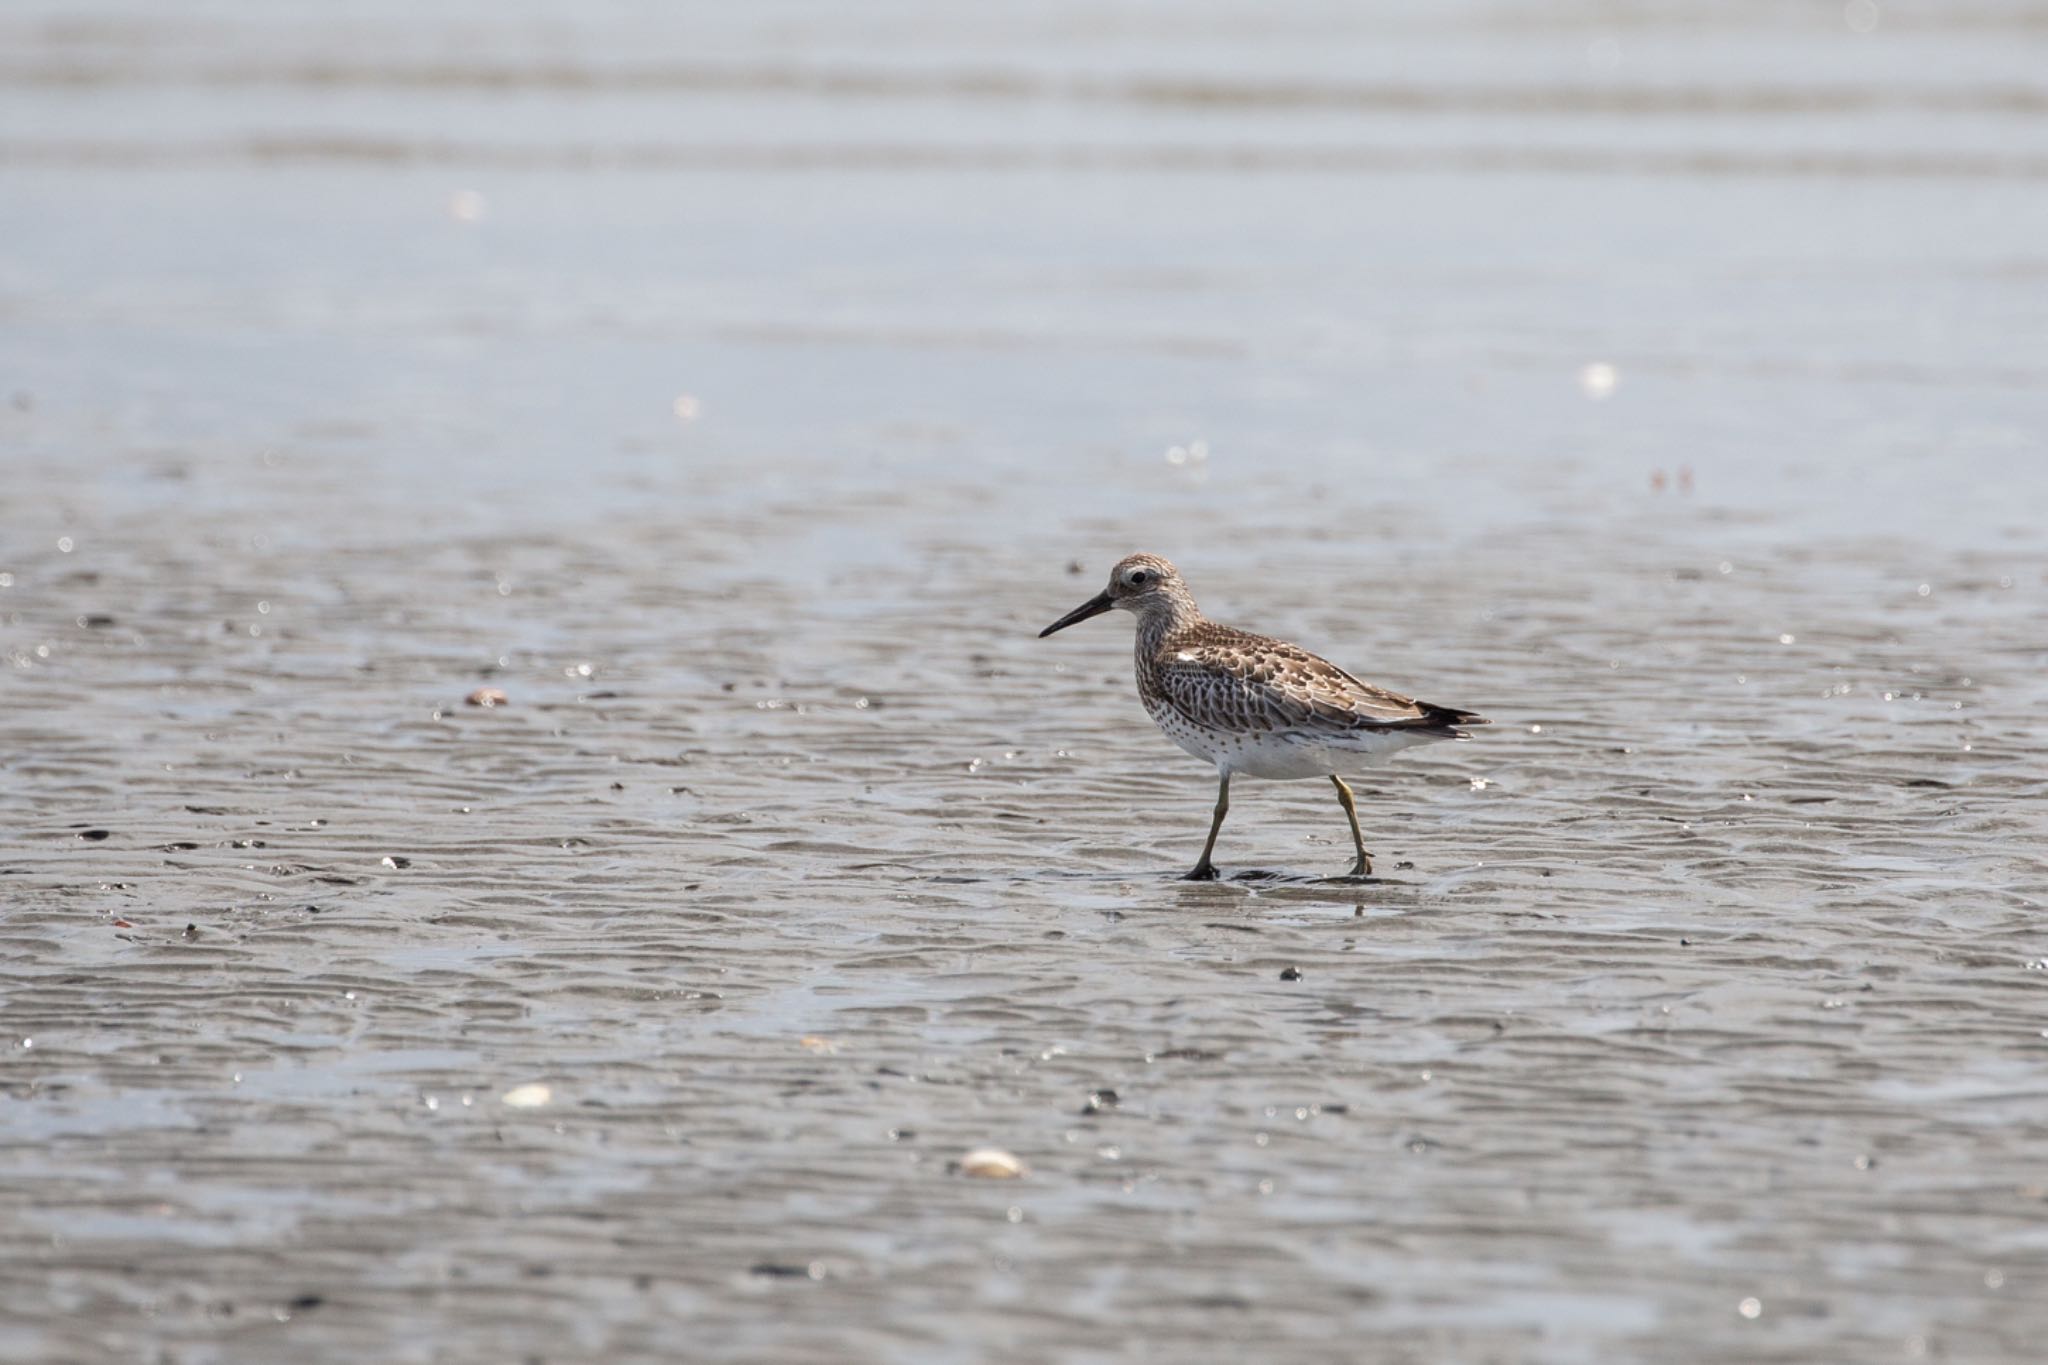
point(811, 1042)
point(991, 1163)
point(529, 1096)
point(488, 696)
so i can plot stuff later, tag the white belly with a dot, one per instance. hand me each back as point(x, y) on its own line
point(1281, 757)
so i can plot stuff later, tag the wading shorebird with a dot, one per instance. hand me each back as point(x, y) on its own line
point(1255, 705)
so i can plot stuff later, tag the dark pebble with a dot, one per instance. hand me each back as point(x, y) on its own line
point(780, 1270)
point(94, 835)
point(1099, 1100)
point(1290, 973)
point(305, 1303)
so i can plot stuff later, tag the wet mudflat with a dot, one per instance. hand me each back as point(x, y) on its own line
point(739, 397)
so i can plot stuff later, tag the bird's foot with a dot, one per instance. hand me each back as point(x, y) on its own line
point(1204, 871)
point(1363, 867)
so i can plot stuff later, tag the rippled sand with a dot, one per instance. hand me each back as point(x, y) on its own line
point(1699, 1012)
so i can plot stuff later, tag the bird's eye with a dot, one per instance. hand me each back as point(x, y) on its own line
point(1139, 577)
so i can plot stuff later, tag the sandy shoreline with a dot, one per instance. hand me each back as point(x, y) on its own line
point(1697, 1015)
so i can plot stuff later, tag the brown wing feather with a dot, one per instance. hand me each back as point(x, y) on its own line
point(1229, 679)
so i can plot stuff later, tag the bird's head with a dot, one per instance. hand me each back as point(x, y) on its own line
point(1139, 583)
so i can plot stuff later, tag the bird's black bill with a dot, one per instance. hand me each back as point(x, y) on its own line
point(1094, 606)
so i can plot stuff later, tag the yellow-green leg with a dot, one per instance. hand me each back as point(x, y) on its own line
point(1361, 868)
point(1205, 870)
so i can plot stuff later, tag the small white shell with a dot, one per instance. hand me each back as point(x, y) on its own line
point(530, 1096)
point(992, 1163)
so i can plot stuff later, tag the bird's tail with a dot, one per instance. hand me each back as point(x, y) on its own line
point(1445, 720)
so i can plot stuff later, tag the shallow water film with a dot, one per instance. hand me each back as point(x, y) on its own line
point(535, 824)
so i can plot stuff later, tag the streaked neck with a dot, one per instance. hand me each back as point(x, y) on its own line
point(1164, 619)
